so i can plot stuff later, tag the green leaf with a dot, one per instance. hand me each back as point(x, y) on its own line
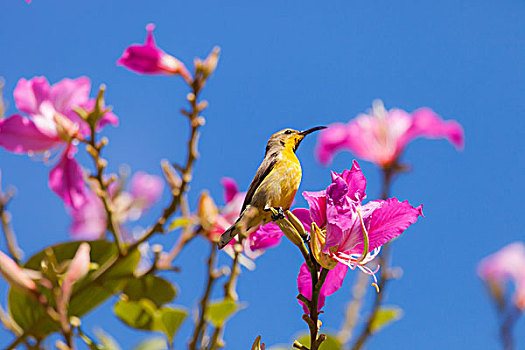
point(385, 315)
point(150, 287)
point(331, 342)
point(169, 321)
point(178, 222)
point(218, 312)
point(137, 314)
point(154, 343)
point(29, 314)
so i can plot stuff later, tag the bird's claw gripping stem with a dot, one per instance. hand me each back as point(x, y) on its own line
point(278, 214)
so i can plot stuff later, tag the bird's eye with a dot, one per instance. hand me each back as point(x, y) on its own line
point(288, 132)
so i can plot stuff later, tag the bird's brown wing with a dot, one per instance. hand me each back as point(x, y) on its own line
point(263, 171)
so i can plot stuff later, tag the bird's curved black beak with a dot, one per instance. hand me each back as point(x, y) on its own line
point(311, 130)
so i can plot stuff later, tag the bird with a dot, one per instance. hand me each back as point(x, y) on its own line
point(274, 185)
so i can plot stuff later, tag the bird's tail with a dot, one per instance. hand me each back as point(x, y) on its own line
point(227, 236)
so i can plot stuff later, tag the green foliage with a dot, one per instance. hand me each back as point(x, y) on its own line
point(30, 315)
point(385, 315)
point(178, 222)
point(151, 287)
point(170, 320)
point(144, 314)
point(153, 343)
point(331, 342)
point(218, 312)
point(137, 314)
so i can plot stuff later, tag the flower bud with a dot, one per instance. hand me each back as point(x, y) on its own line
point(207, 211)
point(173, 179)
point(288, 229)
point(77, 270)
point(317, 242)
point(15, 275)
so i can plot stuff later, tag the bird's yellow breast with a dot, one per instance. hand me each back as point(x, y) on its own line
point(279, 187)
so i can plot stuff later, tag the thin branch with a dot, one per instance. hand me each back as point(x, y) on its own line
point(229, 294)
point(5, 218)
point(212, 277)
point(195, 122)
point(507, 327)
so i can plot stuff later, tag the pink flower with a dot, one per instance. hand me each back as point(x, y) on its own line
point(507, 264)
point(381, 136)
point(67, 181)
point(257, 242)
point(52, 122)
point(149, 59)
point(355, 232)
point(147, 188)
point(333, 281)
point(89, 221)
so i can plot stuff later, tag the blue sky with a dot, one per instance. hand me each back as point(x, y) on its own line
point(300, 64)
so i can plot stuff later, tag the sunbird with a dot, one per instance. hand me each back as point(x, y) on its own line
point(274, 185)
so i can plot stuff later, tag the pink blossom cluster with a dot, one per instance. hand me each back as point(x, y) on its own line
point(354, 231)
point(51, 125)
point(508, 264)
point(381, 135)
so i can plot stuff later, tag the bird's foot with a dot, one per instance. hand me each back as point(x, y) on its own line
point(279, 215)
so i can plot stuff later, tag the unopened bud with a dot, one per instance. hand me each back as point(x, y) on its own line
point(172, 178)
point(207, 211)
point(14, 274)
point(288, 229)
point(317, 243)
point(77, 270)
point(210, 63)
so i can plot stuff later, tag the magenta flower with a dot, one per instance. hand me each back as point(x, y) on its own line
point(149, 59)
point(333, 281)
point(52, 123)
point(381, 136)
point(146, 187)
point(506, 264)
point(257, 242)
point(354, 232)
point(89, 221)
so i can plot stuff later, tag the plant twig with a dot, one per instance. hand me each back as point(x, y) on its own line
point(354, 308)
point(229, 294)
point(507, 326)
point(5, 218)
point(196, 121)
point(212, 277)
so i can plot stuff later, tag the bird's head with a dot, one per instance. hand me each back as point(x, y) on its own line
point(289, 138)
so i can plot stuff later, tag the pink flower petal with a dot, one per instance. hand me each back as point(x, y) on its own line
point(390, 220)
point(317, 204)
point(230, 189)
point(67, 181)
point(89, 221)
point(426, 123)
point(29, 94)
point(77, 270)
point(356, 182)
point(334, 281)
point(21, 135)
point(146, 187)
point(69, 93)
point(265, 237)
point(331, 141)
point(304, 216)
point(508, 262)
